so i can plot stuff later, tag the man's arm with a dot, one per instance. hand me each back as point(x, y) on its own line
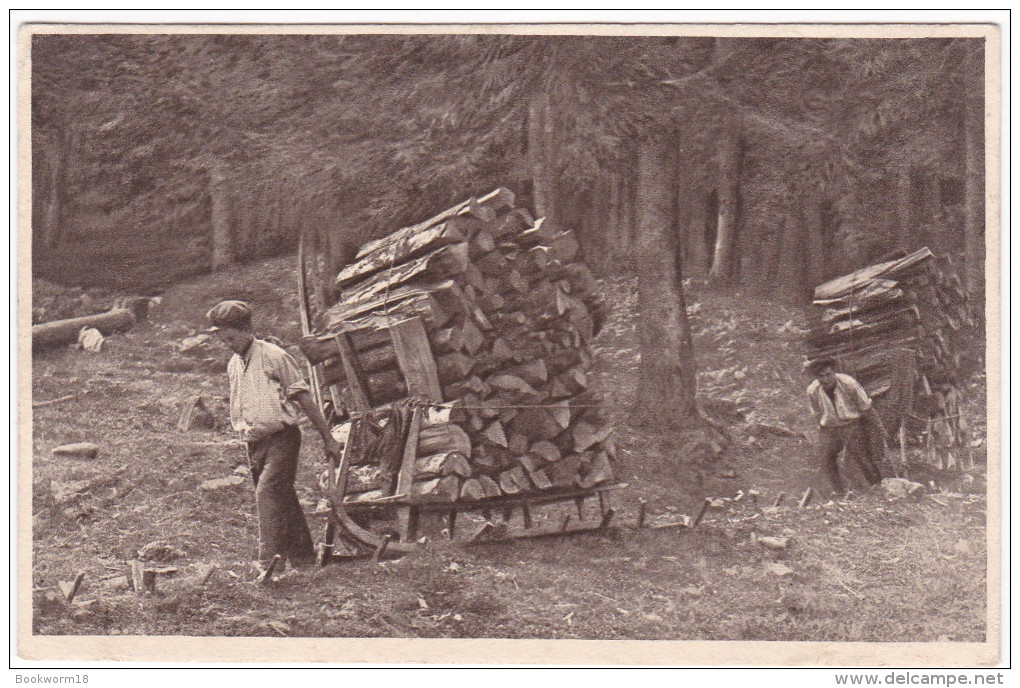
point(308, 405)
point(860, 396)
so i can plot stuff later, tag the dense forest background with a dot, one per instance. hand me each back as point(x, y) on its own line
point(773, 163)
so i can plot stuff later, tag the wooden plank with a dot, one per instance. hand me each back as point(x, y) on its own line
point(355, 377)
point(405, 478)
point(494, 201)
point(414, 357)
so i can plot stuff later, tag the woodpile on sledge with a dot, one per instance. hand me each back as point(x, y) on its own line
point(896, 327)
point(487, 315)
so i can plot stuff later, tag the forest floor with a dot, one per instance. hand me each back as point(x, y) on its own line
point(870, 568)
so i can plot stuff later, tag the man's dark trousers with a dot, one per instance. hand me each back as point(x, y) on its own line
point(282, 526)
point(855, 437)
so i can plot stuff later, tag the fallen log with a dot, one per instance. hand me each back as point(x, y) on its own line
point(60, 332)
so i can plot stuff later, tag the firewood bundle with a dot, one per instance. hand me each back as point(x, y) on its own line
point(488, 314)
point(897, 321)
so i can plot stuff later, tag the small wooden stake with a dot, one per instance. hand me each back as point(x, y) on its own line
point(324, 555)
point(70, 588)
point(381, 549)
point(452, 522)
point(205, 573)
point(701, 513)
point(642, 508)
point(607, 518)
point(137, 576)
point(779, 498)
point(566, 522)
point(579, 501)
point(526, 514)
point(806, 497)
point(267, 577)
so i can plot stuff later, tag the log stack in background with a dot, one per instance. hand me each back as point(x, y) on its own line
point(509, 310)
point(914, 303)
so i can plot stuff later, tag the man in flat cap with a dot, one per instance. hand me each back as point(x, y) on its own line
point(267, 394)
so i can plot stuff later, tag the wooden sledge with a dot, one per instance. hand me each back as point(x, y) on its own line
point(391, 524)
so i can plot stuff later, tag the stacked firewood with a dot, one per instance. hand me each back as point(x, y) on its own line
point(894, 324)
point(508, 310)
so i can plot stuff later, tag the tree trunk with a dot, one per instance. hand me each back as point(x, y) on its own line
point(905, 216)
point(539, 132)
point(974, 180)
point(668, 378)
point(220, 218)
point(54, 193)
point(816, 248)
point(729, 204)
point(791, 278)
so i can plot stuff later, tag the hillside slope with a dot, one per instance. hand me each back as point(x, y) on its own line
point(855, 570)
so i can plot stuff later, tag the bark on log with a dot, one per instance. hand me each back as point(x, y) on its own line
point(424, 306)
point(441, 439)
point(440, 264)
point(394, 253)
point(494, 201)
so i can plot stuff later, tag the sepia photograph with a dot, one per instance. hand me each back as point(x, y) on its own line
point(684, 335)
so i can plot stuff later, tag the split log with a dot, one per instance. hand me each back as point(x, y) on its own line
point(493, 264)
point(514, 281)
point(514, 481)
point(60, 332)
point(442, 439)
point(447, 340)
point(484, 208)
point(494, 433)
point(563, 473)
point(511, 224)
point(563, 247)
point(547, 450)
point(446, 293)
point(448, 489)
point(533, 373)
point(472, 336)
point(512, 387)
point(441, 264)
point(441, 465)
point(382, 386)
point(472, 490)
point(560, 412)
point(517, 443)
point(575, 380)
point(542, 233)
point(454, 367)
point(582, 281)
point(586, 435)
point(423, 305)
point(483, 242)
point(536, 424)
point(600, 471)
point(489, 486)
point(392, 253)
point(459, 390)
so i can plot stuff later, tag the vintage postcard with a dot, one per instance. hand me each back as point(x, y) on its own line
point(479, 343)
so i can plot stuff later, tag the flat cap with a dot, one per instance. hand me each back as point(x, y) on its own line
point(236, 314)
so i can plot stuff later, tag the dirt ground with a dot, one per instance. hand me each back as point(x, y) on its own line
point(867, 569)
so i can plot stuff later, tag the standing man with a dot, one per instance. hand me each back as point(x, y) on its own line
point(845, 419)
point(267, 392)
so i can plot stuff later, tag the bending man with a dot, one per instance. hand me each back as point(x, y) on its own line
point(845, 419)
